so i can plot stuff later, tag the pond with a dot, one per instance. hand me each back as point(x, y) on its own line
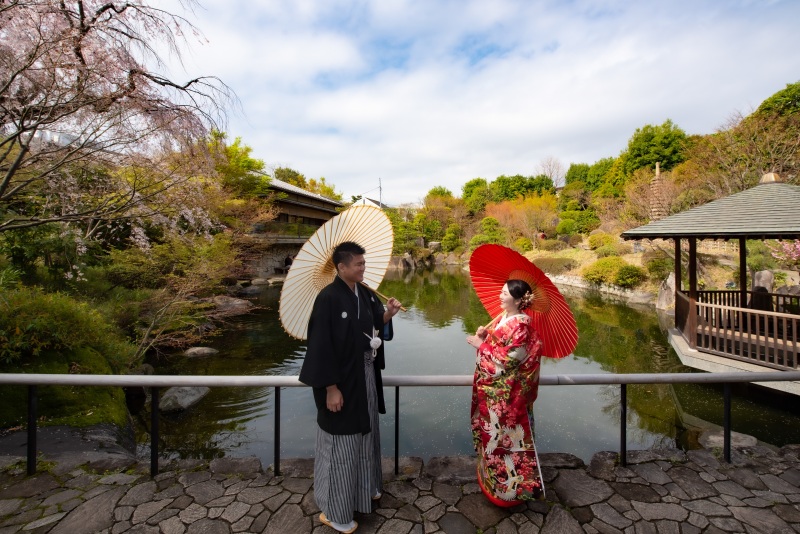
point(430, 340)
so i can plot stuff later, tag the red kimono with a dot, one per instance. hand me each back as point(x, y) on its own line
point(505, 385)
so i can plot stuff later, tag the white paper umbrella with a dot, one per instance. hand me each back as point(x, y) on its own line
point(313, 269)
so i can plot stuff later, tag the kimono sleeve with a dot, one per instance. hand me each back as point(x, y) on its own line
point(321, 366)
point(515, 346)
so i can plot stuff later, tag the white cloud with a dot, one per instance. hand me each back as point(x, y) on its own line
point(424, 93)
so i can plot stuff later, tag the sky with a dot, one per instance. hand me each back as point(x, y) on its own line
point(406, 95)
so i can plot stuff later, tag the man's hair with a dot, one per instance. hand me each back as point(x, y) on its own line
point(344, 252)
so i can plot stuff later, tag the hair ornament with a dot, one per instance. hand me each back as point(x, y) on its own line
point(525, 301)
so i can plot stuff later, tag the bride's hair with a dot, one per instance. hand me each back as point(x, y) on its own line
point(520, 289)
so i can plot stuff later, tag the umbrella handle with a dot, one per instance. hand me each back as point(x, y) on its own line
point(381, 295)
point(384, 297)
point(490, 323)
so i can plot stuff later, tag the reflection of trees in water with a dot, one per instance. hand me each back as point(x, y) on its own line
point(620, 338)
point(651, 412)
point(623, 339)
point(441, 296)
point(215, 426)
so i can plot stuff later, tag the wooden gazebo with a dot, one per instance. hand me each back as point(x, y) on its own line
point(751, 327)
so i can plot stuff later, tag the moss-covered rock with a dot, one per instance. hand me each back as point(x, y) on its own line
point(53, 333)
point(77, 406)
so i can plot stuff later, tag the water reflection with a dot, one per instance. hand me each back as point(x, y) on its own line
point(430, 339)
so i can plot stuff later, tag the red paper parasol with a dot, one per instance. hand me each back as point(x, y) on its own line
point(491, 266)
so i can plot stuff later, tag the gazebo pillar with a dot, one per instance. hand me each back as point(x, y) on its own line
point(681, 310)
point(678, 261)
point(743, 272)
point(692, 292)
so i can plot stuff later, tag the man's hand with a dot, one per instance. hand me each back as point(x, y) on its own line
point(334, 400)
point(392, 307)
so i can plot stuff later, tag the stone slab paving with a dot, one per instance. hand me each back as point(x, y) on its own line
point(658, 492)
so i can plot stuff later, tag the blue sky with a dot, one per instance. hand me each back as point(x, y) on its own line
point(433, 92)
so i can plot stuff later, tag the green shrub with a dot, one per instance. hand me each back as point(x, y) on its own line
point(9, 277)
point(480, 239)
point(570, 214)
point(452, 238)
point(32, 322)
point(606, 251)
point(601, 239)
point(490, 232)
point(630, 276)
point(566, 227)
point(52, 333)
point(552, 245)
point(659, 268)
point(585, 220)
point(205, 262)
point(523, 244)
point(603, 271)
point(555, 265)
point(575, 240)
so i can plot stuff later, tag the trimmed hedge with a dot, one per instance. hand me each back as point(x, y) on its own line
point(601, 239)
point(603, 271)
point(606, 251)
point(555, 265)
point(613, 270)
point(630, 276)
point(552, 245)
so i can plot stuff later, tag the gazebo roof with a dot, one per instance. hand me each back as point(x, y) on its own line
point(767, 211)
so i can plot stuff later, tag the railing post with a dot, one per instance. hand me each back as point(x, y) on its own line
point(277, 451)
point(32, 415)
point(726, 423)
point(396, 430)
point(154, 431)
point(623, 422)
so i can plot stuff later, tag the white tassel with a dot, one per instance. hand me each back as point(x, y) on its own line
point(374, 342)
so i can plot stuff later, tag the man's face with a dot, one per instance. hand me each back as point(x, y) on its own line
point(353, 272)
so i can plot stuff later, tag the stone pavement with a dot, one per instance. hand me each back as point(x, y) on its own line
point(659, 492)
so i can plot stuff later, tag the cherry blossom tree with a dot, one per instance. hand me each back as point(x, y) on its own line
point(787, 252)
point(89, 125)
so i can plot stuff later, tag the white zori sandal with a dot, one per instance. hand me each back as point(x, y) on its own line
point(347, 528)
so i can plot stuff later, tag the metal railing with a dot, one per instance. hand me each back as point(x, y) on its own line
point(278, 382)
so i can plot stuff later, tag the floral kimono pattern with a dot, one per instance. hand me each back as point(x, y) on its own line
point(505, 385)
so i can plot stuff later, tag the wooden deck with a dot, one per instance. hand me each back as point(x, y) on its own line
point(720, 326)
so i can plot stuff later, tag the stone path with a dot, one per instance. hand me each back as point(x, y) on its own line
point(659, 492)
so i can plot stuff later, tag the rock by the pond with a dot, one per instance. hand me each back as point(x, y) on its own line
point(250, 290)
point(232, 305)
point(711, 439)
point(181, 398)
point(200, 351)
point(764, 279)
point(666, 293)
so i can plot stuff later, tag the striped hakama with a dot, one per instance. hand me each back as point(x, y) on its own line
point(347, 468)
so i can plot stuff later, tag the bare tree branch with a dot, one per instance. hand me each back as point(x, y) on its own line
point(77, 95)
